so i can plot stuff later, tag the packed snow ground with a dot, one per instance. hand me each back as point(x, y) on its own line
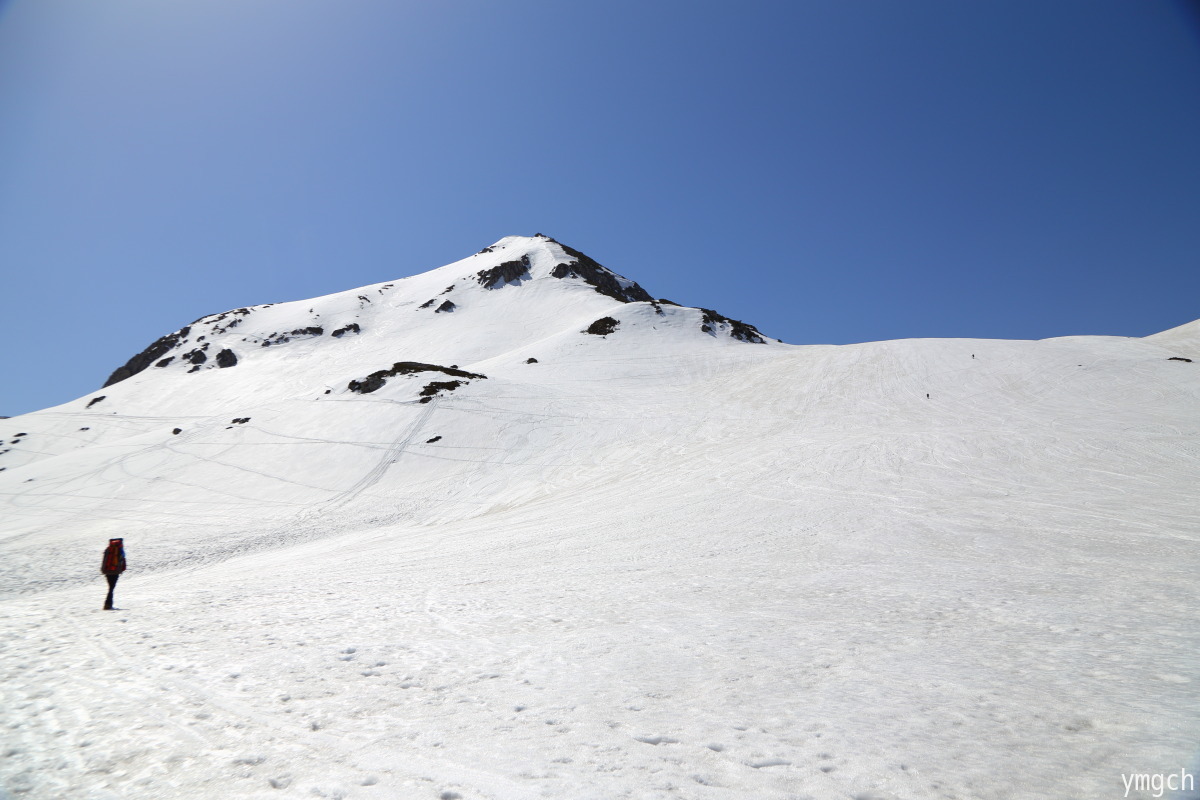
point(657, 564)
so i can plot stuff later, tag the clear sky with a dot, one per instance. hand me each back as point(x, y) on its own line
point(831, 171)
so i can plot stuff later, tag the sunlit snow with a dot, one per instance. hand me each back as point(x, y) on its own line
point(658, 563)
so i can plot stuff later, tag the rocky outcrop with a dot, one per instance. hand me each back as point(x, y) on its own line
point(600, 278)
point(503, 274)
point(432, 388)
point(603, 326)
point(738, 330)
point(282, 338)
point(376, 380)
point(147, 357)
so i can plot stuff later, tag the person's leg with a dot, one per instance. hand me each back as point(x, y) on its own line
point(112, 584)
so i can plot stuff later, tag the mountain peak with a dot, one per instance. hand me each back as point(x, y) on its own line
point(518, 290)
point(567, 263)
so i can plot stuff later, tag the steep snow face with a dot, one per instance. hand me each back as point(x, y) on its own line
point(551, 542)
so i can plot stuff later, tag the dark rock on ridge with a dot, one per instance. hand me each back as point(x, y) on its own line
point(738, 330)
point(600, 278)
point(226, 358)
point(445, 306)
point(93, 402)
point(144, 359)
point(376, 380)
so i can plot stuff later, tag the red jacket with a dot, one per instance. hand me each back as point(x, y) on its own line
point(114, 557)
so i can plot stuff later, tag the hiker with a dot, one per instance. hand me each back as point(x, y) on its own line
point(112, 565)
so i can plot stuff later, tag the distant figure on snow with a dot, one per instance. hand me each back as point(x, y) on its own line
point(112, 565)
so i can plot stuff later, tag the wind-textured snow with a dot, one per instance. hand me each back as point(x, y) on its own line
point(665, 562)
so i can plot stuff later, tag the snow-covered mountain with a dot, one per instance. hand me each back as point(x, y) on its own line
point(516, 528)
point(214, 428)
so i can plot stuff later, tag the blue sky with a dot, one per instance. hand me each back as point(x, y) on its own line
point(832, 172)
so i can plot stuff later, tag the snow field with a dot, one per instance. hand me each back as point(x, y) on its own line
point(652, 565)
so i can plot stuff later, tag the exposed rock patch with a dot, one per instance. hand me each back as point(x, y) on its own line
point(738, 330)
point(445, 306)
point(196, 356)
point(603, 326)
point(376, 380)
point(1179, 358)
point(342, 331)
point(159, 348)
point(282, 338)
point(91, 403)
point(226, 358)
point(504, 274)
point(602, 279)
point(235, 318)
point(431, 389)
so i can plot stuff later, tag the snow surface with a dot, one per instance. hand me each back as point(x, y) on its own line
point(662, 563)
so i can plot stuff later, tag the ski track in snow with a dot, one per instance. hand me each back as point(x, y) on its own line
point(657, 564)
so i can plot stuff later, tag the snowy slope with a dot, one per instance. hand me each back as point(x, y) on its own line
point(1184, 340)
point(661, 562)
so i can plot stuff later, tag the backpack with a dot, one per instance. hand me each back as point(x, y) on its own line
point(114, 556)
